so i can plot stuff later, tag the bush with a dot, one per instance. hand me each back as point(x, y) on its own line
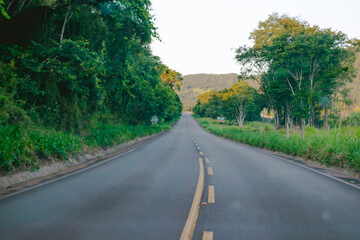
point(19, 145)
point(353, 119)
point(56, 144)
point(107, 135)
point(14, 150)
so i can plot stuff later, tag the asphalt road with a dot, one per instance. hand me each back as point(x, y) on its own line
point(147, 194)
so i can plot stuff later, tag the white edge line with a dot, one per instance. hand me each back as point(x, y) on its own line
point(266, 152)
point(321, 173)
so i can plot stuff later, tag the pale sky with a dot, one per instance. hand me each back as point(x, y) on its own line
point(199, 36)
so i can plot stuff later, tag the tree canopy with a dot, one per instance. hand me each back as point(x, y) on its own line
point(240, 99)
point(63, 63)
point(298, 65)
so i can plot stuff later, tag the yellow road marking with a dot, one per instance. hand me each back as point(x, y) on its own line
point(207, 235)
point(210, 171)
point(190, 224)
point(201, 153)
point(211, 194)
point(207, 160)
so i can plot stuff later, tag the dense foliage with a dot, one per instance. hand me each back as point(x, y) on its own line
point(65, 61)
point(23, 148)
point(303, 72)
point(67, 64)
point(238, 103)
point(300, 67)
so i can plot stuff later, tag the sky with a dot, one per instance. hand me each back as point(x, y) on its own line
point(200, 36)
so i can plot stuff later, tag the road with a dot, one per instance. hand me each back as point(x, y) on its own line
point(148, 192)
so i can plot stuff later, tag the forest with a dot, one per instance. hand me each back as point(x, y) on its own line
point(73, 72)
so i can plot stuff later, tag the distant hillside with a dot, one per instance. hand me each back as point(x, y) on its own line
point(196, 84)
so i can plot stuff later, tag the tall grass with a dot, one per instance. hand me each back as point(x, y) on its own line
point(14, 150)
point(21, 147)
point(107, 135)
point(57, 144)
point(333, 148)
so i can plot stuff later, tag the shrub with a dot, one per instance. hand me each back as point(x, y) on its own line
point(107, 135)
point(353, 119)
point(52, 143)
point(19, 145)
point(14, 150)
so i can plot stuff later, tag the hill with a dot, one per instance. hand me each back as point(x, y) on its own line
point(196, 84)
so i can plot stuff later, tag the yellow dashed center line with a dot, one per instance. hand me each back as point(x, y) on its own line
point(194, 211)
point(211, 194)
point(210, 171)
point(190, 224)
point(207, 235)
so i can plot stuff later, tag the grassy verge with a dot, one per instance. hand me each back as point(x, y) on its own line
point(333, 148)
point(24, 148)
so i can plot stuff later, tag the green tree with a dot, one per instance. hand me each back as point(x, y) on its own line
point(172, 78)
point(298, 64)
point(238, 103)
point(74, 60)
point(242, 102)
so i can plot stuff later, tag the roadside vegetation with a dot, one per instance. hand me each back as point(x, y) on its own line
point(79, 74)
point(302, 71)
point(27, 148)
point(337, 147)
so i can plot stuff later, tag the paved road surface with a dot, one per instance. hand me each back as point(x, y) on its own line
point(147, 194)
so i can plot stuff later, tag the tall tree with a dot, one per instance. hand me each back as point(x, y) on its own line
point(298, 65)
point(73, 60)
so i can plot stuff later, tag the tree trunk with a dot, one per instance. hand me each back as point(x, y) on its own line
point(240, 114)
point(277, 120)
point(303, 128)
point(312, 117)
point(288, 120)
point(66, 19)
point(326, 118)
point(287, 125)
